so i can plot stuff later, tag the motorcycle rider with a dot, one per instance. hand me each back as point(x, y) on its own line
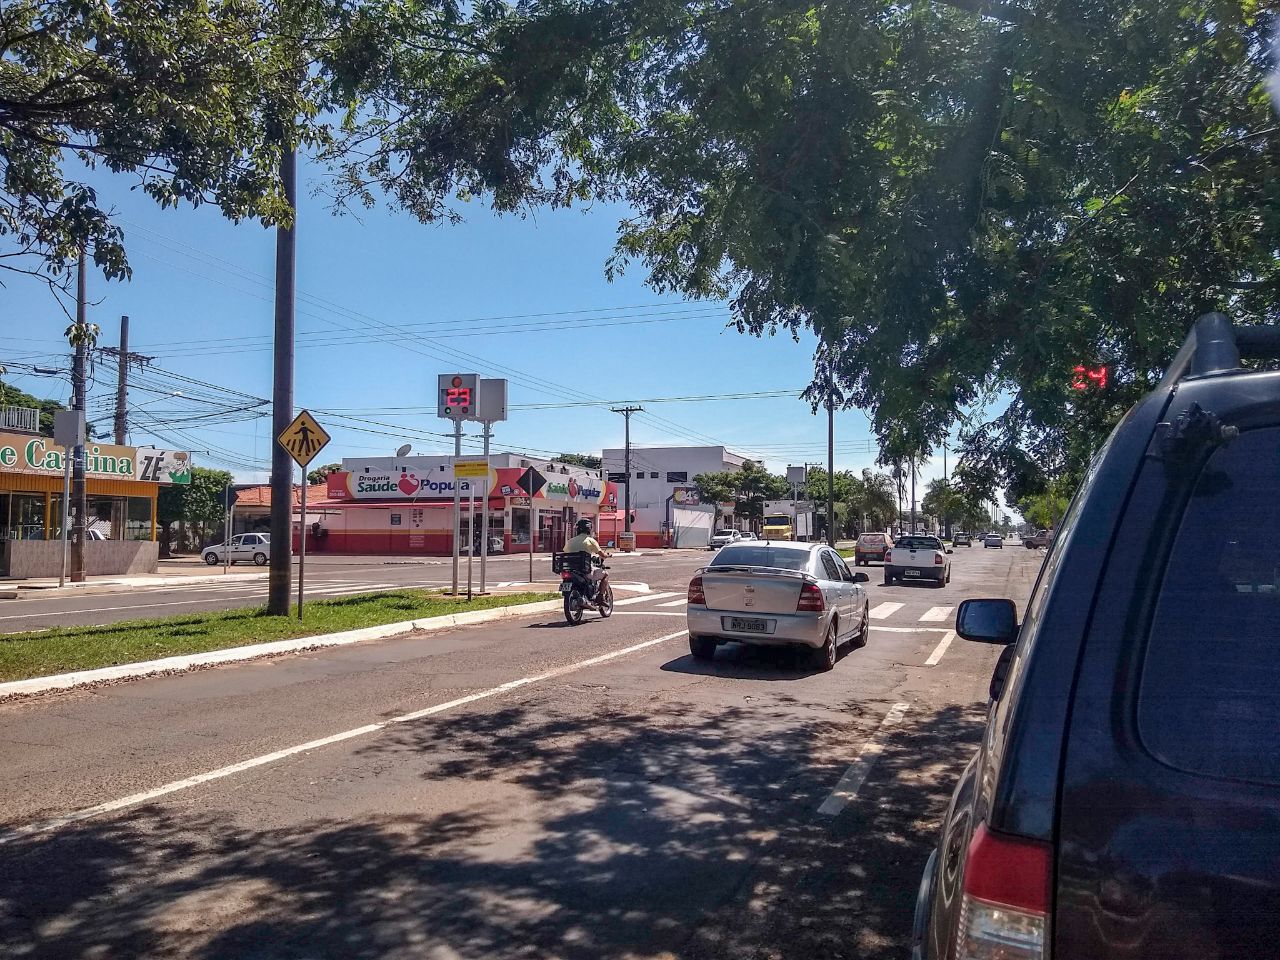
point(585, 542)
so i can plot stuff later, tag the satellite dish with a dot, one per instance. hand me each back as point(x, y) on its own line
point(403, 450)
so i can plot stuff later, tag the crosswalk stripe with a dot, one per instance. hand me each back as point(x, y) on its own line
point(675, 603)
point(885, 610)
point(936, 614)
point(642, 599)
point(940, 649)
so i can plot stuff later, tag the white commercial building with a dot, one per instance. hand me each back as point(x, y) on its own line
point(663, 495)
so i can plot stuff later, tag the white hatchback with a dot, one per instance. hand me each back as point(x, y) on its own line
point(245, 547)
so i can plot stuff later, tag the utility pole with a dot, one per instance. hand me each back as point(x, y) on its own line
point(79, 492)
point(122, 381)
point(831, 468)
point(913, 494)
point(946, 491)
point(626, 463)
point(282, 400)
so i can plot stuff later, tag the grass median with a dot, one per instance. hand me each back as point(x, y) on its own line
point(42, 653)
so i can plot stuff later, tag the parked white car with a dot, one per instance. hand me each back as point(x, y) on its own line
point(246, 547)
point(776, 593)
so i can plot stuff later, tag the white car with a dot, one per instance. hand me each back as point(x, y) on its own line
point(255, 547)
point(778, 593)
point(917, 558)
point(993, 540)
point(722, 538)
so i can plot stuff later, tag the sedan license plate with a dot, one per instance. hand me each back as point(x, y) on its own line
point(911, 573)
point(748, 624)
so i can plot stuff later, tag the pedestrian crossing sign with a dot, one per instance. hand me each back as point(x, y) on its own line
point(304, 438)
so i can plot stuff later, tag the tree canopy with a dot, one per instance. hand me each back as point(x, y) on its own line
point(964, 200)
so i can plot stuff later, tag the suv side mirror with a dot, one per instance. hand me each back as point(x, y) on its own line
point(861, 577)
point(988, 621)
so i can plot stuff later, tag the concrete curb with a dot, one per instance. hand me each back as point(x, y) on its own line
point(124, 583)
point(146, 668)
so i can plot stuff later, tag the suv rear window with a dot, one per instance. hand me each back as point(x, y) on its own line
point(918, 543)
point(762, 556)
point(1209, 694)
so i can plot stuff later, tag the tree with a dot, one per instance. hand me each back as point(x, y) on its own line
point(747, 489)
point(12, 396)
point(579, 460)
point(320, 474)
point(962, 200)
point(197, 504)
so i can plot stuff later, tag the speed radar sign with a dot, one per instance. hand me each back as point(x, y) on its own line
point(457, 396)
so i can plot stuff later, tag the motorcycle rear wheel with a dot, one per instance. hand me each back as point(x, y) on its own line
point(573, 608)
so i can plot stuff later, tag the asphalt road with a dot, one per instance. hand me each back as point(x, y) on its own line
point(523, 790)
point(327, 577)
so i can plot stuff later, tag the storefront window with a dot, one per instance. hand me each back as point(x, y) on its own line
point(27, 516)
point(138, 525)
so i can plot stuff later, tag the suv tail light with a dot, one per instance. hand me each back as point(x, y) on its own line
point(938, 560)
point(695, 591)
point(810, 599)
point(1004, 911)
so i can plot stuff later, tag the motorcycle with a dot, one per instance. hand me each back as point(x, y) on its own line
point(577, 586)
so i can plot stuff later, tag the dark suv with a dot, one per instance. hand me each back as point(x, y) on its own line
point(1125, 799)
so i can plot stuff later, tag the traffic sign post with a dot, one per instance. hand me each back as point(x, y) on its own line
point(304, 438)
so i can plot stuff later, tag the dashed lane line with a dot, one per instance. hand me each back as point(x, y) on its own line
point(847, 789)
point(940, 649)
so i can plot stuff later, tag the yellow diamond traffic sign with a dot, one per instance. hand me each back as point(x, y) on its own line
point(303, 438)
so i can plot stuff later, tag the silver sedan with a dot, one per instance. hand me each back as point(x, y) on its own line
point(772, 593)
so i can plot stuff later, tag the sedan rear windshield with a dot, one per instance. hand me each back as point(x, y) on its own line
point(918, 543)
point(872, 538)
point(762, 555)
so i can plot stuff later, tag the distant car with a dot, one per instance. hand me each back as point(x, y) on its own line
point(917, 558)
point(993, 540)
point(1041, 538)
point(94, 534)
point(871, 546)
point(722, 538)
point(747, 535)
point(255, 547)
point(961, 539)
point(778, 594)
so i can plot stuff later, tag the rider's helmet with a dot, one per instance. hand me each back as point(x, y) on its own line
point(583, 525)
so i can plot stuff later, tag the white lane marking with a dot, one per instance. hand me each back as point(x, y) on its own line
point(854, 777)
point(146, 796)
point(649, 613)
point(675, 603)
point(910, 629)
point(883, 610)
point(936, 614)
point(940, 649)
point(645, 598)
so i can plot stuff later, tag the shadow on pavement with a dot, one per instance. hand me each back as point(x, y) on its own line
point(619, 832)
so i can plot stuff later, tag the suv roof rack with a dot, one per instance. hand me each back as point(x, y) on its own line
point(1215, 346)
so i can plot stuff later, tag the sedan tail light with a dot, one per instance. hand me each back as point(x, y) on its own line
point(696, 594)
point(811, 600)
point(887, 554)
point(1004, 910)
point(938, 560)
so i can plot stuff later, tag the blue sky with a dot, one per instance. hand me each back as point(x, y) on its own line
point(382, 302)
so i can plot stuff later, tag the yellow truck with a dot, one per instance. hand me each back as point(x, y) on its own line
point(778, 526)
